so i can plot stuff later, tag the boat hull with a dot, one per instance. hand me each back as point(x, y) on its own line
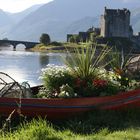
point(65, 108)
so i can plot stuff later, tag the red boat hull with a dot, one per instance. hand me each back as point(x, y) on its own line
point(64, 108)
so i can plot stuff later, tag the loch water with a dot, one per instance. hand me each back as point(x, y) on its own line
point(26, 66)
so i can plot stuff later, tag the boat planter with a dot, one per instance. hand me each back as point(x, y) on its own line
point(60, 108)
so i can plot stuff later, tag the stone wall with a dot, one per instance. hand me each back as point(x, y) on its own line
point(116, 23)
point(84, 36)
point(136, 38)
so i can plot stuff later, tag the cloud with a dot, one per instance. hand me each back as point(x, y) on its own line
point(19, 5)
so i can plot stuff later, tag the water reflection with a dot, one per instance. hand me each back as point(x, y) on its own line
point(20, 47)
point(44, 60)
point(56, 58)
point(26, 66)
point(8, 47)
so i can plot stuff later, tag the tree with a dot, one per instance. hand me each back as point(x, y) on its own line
point(74, 39)
point(45, 39)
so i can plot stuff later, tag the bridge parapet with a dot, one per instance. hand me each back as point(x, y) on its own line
point(15, 43)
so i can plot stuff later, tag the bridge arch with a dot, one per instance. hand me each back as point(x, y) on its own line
point(20, 46)
point(14, 43)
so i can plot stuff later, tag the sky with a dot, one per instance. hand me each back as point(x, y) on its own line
point(129, 1)
point(14, 6)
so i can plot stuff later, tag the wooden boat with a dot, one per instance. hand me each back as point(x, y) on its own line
point(64, 108)
point(59, 108)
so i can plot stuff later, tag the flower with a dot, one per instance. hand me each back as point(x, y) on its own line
point(118, 71)
point(54, 71)
point(80, 82)
point(99, 83)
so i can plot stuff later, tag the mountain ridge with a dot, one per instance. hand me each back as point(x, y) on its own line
point(60, 17)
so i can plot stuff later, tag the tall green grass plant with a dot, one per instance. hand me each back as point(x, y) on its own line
point(84, 62)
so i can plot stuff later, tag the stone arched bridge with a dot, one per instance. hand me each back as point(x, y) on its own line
point(14, 43)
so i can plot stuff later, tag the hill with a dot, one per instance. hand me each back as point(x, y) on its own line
point(6, 23)
point(60, 17)
point(21, 15)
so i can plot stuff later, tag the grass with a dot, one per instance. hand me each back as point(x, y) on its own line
point(98, 125)
point(86, 61)
point(55, 48)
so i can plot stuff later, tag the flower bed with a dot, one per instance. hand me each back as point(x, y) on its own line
point(85, 75)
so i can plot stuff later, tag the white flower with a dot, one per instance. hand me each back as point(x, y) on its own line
point(54, 71)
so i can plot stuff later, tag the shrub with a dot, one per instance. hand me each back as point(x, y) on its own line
point(54, 77)
point(55, 43)
point(119, 66)
point(84, 62)
point(85, 76)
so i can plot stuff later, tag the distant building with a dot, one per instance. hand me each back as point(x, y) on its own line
point(136, 38)
point(83, 36)
point(94, 30)
point(116, 23)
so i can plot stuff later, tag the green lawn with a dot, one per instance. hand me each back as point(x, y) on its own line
point(53, 48)
point(98, 125)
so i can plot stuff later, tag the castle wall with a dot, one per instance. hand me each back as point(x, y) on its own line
point(136, 38)
point(103, 27)
point(116, 23)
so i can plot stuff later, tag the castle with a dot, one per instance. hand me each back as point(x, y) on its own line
point(116, 23)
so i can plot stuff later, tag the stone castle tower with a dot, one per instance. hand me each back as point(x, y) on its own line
point(116, 23)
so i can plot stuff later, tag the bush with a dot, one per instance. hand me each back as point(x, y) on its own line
point(54, 43)
point(85, 75)
point(53, 78)
point(59, 81)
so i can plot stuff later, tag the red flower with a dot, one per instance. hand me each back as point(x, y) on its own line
point(99, 83)
point(80, 82)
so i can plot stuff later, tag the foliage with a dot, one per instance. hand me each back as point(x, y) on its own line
point(102, 85)
point(66, 92)
point(45, 93)
point(81, 78)
point(83, 62)
point(55, 43)
point(53, 78)
point(119, 66)
point(120, 60)
point(84, 75)
point(74, 39)
point(40, 46)
point(92, 37)
point(135, 74)
point(98, 125)
point(45, 39)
